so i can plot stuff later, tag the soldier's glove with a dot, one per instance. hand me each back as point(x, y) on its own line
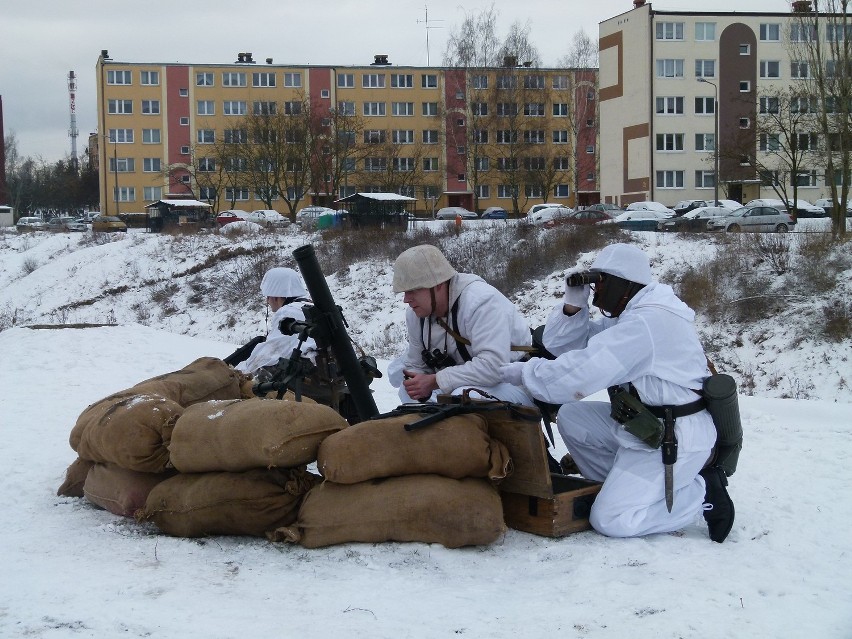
point(576, 295)
point(512, 373)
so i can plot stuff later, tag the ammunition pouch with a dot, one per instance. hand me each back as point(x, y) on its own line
point(634, 416)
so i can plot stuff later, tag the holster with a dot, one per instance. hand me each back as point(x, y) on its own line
point(635, 417)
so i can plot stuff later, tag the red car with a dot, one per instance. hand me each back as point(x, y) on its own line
point(584, 216)
point(234, 215)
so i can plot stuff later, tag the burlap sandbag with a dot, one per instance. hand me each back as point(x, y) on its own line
point(253, 433)
point(455, 447)
point(75, 477)
point(132, 432)
point(118, 490)
point(250, 503)
point(426, 508)
point(204, 379)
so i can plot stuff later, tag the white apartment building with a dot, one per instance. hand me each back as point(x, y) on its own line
point(662, 73)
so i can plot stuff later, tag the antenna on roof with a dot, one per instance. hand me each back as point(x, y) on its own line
point(426, 22)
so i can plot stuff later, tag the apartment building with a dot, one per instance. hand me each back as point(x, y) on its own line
point(669, 80)
point(509, 136)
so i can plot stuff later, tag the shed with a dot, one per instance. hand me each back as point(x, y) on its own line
point(377, 209)
point(164, 213)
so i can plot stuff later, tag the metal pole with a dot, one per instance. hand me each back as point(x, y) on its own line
point(715, 139)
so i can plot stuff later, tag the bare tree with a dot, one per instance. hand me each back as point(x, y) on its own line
point(474, 44)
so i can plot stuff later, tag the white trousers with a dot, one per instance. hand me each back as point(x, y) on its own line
point(632, 501)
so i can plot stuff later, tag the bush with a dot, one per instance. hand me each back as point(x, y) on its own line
point(837, 320)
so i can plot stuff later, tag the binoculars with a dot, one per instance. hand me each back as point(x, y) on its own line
point(583, 278)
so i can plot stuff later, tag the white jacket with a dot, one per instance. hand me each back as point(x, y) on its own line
point(652, 344)
point(277, 345)
point(486, 318)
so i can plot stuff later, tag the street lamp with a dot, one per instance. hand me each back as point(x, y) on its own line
point(715, 139)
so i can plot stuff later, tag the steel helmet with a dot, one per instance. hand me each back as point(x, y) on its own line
point(422, 266)
point(282, 282)
point(626, 261)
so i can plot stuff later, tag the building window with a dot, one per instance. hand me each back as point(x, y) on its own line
point(745, 49)
point(124, 194)
point(770, 32)
point(670, 68)
point(460, 122)
point(479, 108)
point(805, 178)
point(374, 108)
point(150, 136)
point(807, 141)
point(119, 77)
point(769, 105)
point(669, 179)
point(560, 110)
point(151, 107)
point(346, 107)
point(264, 108)
point(483, 191)
point(184, 121)
point(292, 107)
point(404, 165)
point(561, 163)
point(480, 136)
point(670, 31)
point(744, 123)
point(533, 81)
point(324, 93)
point(800, 32)
point(705, 142)
point(808, 104)
point(183, 92)
point(205, 107)
point(206, 136)
point(429, 81)
point(769, 142)
point(745, 86)
point(430, 108)
point(705, 31)
point(293, 80)
point(506, 190)
point(152, 193)
point(481, 164)
point(459, 95)
point(119, 107)
point(507, 164)
point(705, 106)
point(560, 82)
point(669, 142)
point(204, 79)
point(121, 136)
point(263, 79)
point(669, 105)
point(770, 69)
point(236, 193)
point(402, 81)
point(149, 78)
point(373, 81)
point(235, 165)
point(430, 164)
point(374, 137)
point(705, 68)
point(561, 190)
point(534, 164)
point(560, 136)
point(233, 79)
point(800, 69)
point(460, 150)
point(590, 149)
point(122, 165)
point(402, 136)
point(507, 109)
point(838, 32)
point(234, 107)
point(704, 180)
point(507, 137)
point(375, 165)
point(430, 137)
point(534, 109)
point(507, 82)
point(346, 80)
point(402, 108)
point(235, 136)
point(151, 165)
point(532, 190)
point(206, 165)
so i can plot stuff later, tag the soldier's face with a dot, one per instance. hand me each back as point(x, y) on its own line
point(420, 301)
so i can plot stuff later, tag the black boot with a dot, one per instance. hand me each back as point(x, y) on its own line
point(718, 507)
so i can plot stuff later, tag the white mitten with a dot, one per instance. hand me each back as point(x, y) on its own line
point(512, 373)
point(576, 295)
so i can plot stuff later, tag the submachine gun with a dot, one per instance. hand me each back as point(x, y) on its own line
point(338, 377)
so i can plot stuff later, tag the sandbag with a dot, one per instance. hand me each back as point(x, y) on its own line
point(455, 447)
point(118, 490)
point(249, 503)
point(425, 508)
point(204, 379)
point(132, 432)
point(75, 477)
point(239, 435)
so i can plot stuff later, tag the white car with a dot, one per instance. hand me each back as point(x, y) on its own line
point(803, 208)
point(541, 217)
point(731, 205)
point(451, 212)
point(267, 217)
point(650, 206)
point(827, 204)
point(538, 207)
point(778, 204)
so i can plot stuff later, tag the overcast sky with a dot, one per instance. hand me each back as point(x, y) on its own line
point(45, 39)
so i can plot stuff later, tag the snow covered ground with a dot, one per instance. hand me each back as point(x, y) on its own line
point(71, 570)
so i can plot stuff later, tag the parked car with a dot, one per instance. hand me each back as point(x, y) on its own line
point(495, 213)
point(803, 208)
point(642, 219)
point(66, 223)
point(309, 215)
point(584, 216)
point(827, 204)
point(108, 224)
point(268, 218)
point(450, 213)
point(753, 218)
point(231, 215)
point(30, 224)
point(88, 216)
point(549, 216)
point(538, 207)
point(778, 204)
point(605, 207)
point(685, 206)
point(731, 205)
point(650, 206)
point(695, 220)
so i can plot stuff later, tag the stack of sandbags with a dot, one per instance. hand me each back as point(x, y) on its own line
point(122, 440)
point(242, 466)
point(384, 483)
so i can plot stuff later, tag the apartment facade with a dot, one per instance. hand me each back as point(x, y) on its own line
point(662, 75)
point(508, 137)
